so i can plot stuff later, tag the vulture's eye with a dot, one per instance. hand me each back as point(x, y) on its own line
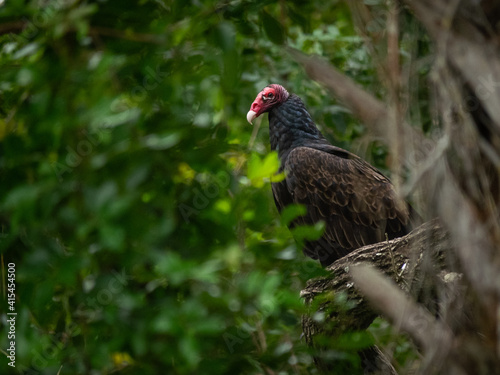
point(267, 96)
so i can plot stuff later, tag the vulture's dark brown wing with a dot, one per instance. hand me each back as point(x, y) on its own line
point(357, 203)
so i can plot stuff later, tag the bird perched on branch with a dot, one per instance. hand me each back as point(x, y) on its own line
point(357, 203)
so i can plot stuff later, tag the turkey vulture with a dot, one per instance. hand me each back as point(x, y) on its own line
point(357, 203)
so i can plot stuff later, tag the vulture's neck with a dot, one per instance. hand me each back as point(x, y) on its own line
point(290, 126)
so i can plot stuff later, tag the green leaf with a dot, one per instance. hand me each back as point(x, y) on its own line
point(273, 28)
point(112, 236)
point(309, 232)
point(299, 19)
point(291, 212)
point(354, 340)
point(161, 142)
point(260, 171)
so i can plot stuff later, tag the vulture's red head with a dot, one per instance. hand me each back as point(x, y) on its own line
point(272, 96)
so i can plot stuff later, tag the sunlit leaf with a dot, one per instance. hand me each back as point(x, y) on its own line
point(260, 170)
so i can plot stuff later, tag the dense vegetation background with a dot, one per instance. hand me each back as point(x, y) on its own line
point(135, 198)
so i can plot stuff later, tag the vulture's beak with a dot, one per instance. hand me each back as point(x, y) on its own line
point(251, 115)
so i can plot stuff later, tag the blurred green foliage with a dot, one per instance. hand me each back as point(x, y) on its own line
point(135, 198)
